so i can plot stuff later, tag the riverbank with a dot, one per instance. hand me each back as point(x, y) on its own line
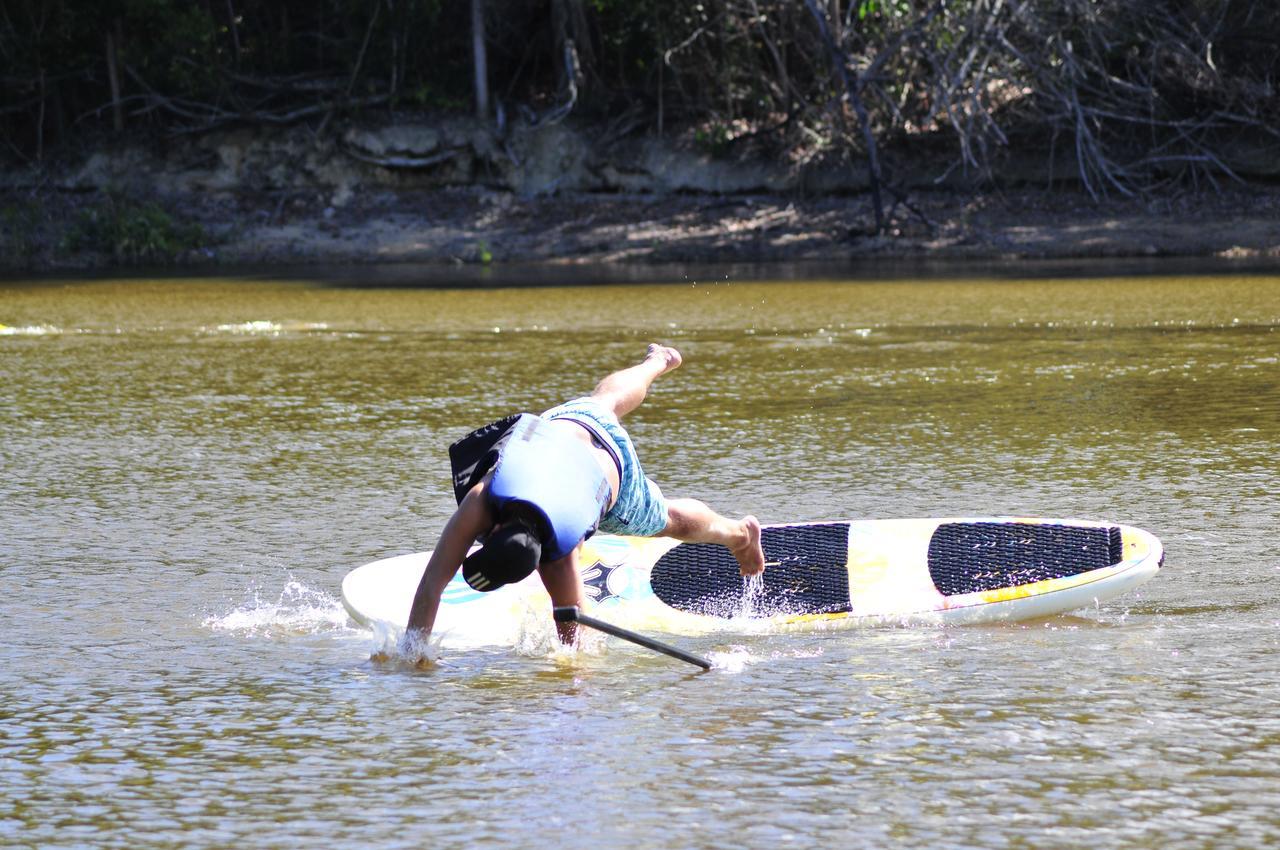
point(462, 226)
point(454, 226)
point(455, 194)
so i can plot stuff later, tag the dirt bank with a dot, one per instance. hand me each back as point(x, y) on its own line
point(451, 194)
point(475, 226)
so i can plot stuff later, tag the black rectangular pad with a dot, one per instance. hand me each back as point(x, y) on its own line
point(806, 573)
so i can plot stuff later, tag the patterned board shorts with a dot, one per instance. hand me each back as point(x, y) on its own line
point(641, 509)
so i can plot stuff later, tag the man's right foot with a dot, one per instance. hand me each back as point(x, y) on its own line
point(751, 556)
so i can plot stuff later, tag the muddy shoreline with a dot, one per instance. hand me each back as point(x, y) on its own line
point(464, 226)
point(554, 198)
point(467, 227)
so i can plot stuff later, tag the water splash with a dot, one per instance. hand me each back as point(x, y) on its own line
point(733, 660)
point(395, 647)
point(752, 595)
point(737, 657)
point(535, 634)
point(536, 637)
point(296, 610)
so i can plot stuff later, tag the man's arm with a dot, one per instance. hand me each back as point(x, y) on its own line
point(472, 518)
point(564, 583)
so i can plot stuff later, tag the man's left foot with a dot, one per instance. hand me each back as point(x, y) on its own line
point(669, 357)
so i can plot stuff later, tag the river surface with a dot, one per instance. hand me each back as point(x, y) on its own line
point(191, 466)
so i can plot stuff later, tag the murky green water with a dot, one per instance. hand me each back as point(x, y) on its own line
point(190, 467)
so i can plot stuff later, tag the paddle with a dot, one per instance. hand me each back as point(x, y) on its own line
point(571, 614)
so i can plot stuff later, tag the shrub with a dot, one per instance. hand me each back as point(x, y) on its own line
point(132, 232)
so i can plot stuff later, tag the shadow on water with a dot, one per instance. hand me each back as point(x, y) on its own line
point(411, 275)
point(512, 275)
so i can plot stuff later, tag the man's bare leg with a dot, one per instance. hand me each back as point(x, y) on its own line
point(687, 519)
point(693, 522)
point(622, 391)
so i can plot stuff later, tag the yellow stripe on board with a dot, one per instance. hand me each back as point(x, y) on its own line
point(1038, 588)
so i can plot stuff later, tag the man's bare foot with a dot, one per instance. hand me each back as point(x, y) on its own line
point(751, 555)
point(667, 356)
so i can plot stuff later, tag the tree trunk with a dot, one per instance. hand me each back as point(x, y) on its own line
point(480, 58)
point(569, 24)
point(113, 74)
point(853, 91)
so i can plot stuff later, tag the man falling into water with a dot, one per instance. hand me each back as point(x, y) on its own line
point(532, 488)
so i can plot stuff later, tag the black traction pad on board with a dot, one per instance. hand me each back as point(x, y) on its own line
point(806, 573)
point(970, 557)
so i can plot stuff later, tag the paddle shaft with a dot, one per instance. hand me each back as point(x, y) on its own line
point(570, 613)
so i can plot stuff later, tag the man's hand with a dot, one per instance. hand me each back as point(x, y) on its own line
point(417, 648)
point(564, 584)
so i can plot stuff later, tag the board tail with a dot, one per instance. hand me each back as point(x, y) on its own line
point(971, 557)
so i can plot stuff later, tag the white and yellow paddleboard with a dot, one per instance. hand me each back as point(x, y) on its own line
point(818, 576)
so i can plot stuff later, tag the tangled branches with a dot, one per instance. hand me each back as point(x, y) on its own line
point(1132, 95)
point(1126, 97)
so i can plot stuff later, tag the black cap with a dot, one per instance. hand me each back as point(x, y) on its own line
point(509, 554)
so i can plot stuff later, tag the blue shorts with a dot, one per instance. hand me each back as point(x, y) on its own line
point(641, 509)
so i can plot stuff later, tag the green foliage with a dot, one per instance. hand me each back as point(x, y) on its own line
point(713, 140)
point(888, 8)
point(132, 233)
point(428, 97)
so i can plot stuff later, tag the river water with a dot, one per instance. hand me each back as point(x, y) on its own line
point(191, 466)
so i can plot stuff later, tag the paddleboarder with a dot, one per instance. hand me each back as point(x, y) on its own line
point(532, 488)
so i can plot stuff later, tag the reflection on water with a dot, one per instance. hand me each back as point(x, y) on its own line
point(191, 466)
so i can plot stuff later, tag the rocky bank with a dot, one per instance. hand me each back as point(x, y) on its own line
point(456, 192)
